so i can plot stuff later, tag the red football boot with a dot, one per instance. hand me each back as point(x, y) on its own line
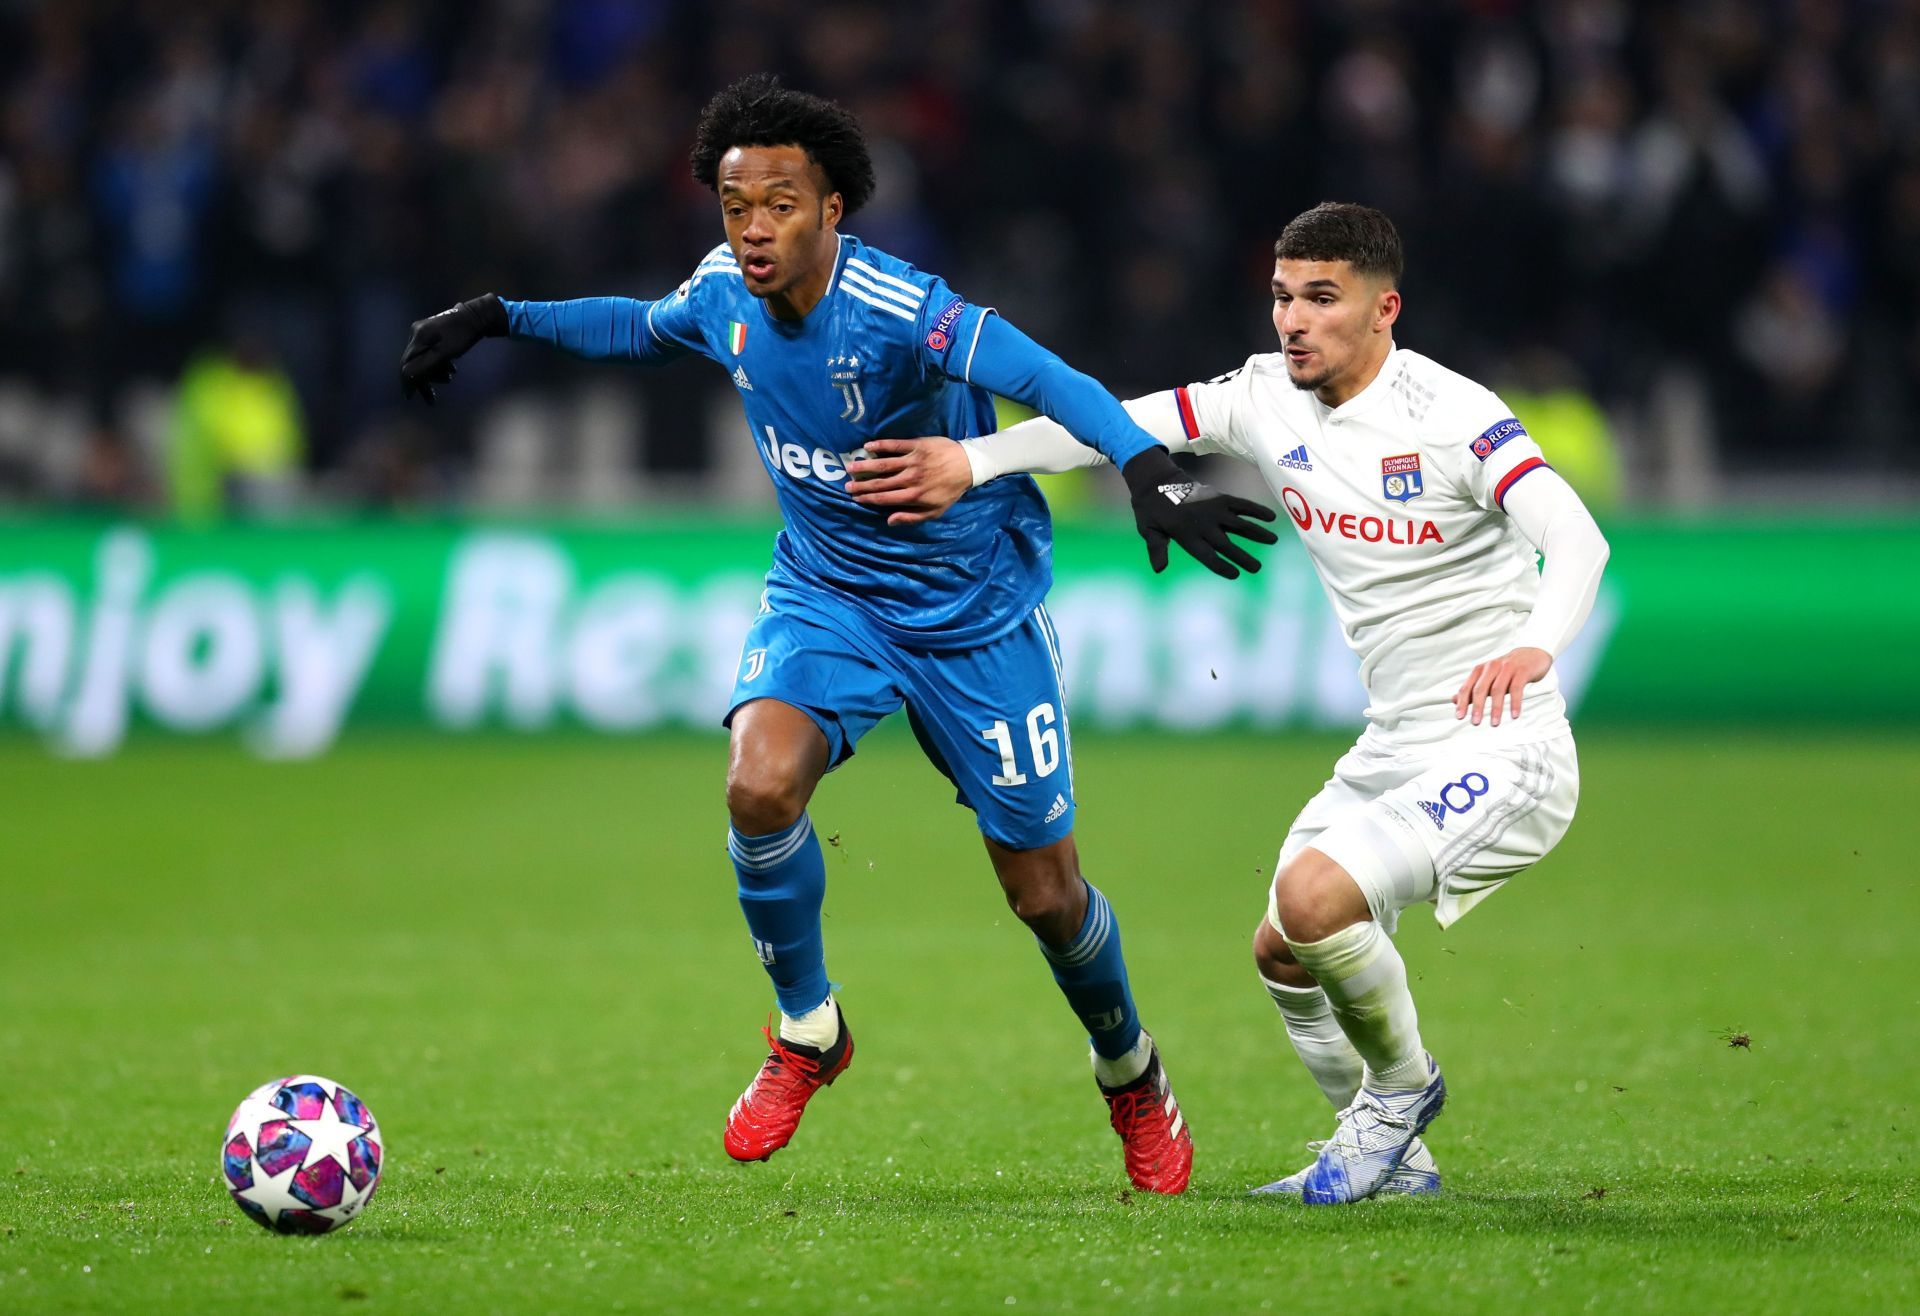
point(764, 1119)
point(1154, 1132)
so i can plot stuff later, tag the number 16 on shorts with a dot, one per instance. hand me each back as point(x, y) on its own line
point(1032, 755)
point(1042, 744)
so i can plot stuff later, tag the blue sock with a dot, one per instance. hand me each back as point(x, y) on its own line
point(783, 879)
point(1093, 977)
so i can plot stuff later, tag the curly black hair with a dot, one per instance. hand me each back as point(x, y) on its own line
point(758, 111)
point(1340, 230)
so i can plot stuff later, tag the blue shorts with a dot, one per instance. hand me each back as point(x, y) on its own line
point(992, 718)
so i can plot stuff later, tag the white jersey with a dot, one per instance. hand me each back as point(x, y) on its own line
point(1397, 496)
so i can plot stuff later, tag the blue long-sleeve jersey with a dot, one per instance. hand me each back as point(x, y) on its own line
point(889, 352)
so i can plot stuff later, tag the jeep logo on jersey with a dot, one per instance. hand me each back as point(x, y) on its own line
point(820, 463)
point(1367, 529)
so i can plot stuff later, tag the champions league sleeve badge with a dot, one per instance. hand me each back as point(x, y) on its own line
point(1400, 477)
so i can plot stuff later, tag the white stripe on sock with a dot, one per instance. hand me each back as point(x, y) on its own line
point(769, 852)
point(1093, 938)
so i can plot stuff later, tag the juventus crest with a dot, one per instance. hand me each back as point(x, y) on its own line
point(844, 371)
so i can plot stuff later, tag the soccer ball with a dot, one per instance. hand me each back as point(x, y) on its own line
point(302, 1155)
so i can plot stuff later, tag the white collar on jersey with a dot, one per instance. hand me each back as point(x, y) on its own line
point(839, 250)
point(1376, 388)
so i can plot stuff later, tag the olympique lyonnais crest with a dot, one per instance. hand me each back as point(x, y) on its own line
point(1400, 477)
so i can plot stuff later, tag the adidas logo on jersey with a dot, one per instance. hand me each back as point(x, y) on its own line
point(1297, 460)
point(1436, 812)
point(740, 379)
point(1059, 807)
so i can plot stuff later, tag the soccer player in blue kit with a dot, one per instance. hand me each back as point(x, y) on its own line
point(830, 342)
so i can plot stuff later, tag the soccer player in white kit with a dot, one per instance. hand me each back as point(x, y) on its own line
point(1422, 503)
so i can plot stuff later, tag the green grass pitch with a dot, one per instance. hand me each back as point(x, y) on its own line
point(528, 959)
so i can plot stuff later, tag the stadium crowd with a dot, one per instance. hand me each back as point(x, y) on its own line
point(1704, 217)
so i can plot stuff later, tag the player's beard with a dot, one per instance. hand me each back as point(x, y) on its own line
point(1309, 383)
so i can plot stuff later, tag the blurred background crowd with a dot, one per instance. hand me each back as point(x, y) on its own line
point(1683, 238)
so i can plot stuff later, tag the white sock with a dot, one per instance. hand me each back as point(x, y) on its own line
point(1316, 1036)
point(1366, 984)
point(818, 1028)
point(1123, 1069)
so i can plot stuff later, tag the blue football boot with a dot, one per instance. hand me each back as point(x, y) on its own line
point(1376, 1132)
point(1417, 1176)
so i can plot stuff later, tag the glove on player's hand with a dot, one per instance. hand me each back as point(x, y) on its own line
point(1169, 504)
point(441, 339)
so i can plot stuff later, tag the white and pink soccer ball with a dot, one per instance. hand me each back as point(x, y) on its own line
point(302, 1155)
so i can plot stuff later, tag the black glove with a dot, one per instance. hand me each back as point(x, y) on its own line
point(1170, 504)
point(439, 339)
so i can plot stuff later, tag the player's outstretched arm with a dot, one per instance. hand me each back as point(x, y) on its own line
point(592, 328)
point(917, 479)
point(1554, 520)
point(1169, 506)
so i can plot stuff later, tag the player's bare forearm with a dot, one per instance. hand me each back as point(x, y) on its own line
point(912, 480)
point(1499, 683)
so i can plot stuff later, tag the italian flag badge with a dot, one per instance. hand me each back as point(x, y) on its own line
point(737, 337)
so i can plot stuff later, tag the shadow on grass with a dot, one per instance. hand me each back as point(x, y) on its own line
point(1716, 1211)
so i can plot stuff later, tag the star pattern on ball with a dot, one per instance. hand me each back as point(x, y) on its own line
point(270, 1194)
point(302, 1155)
point(331, 1135)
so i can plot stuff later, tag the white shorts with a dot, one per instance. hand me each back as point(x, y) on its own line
point(1449, 823)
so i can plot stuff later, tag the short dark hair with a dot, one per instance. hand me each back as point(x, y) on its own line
point(758, 111)
point(1340, 230)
